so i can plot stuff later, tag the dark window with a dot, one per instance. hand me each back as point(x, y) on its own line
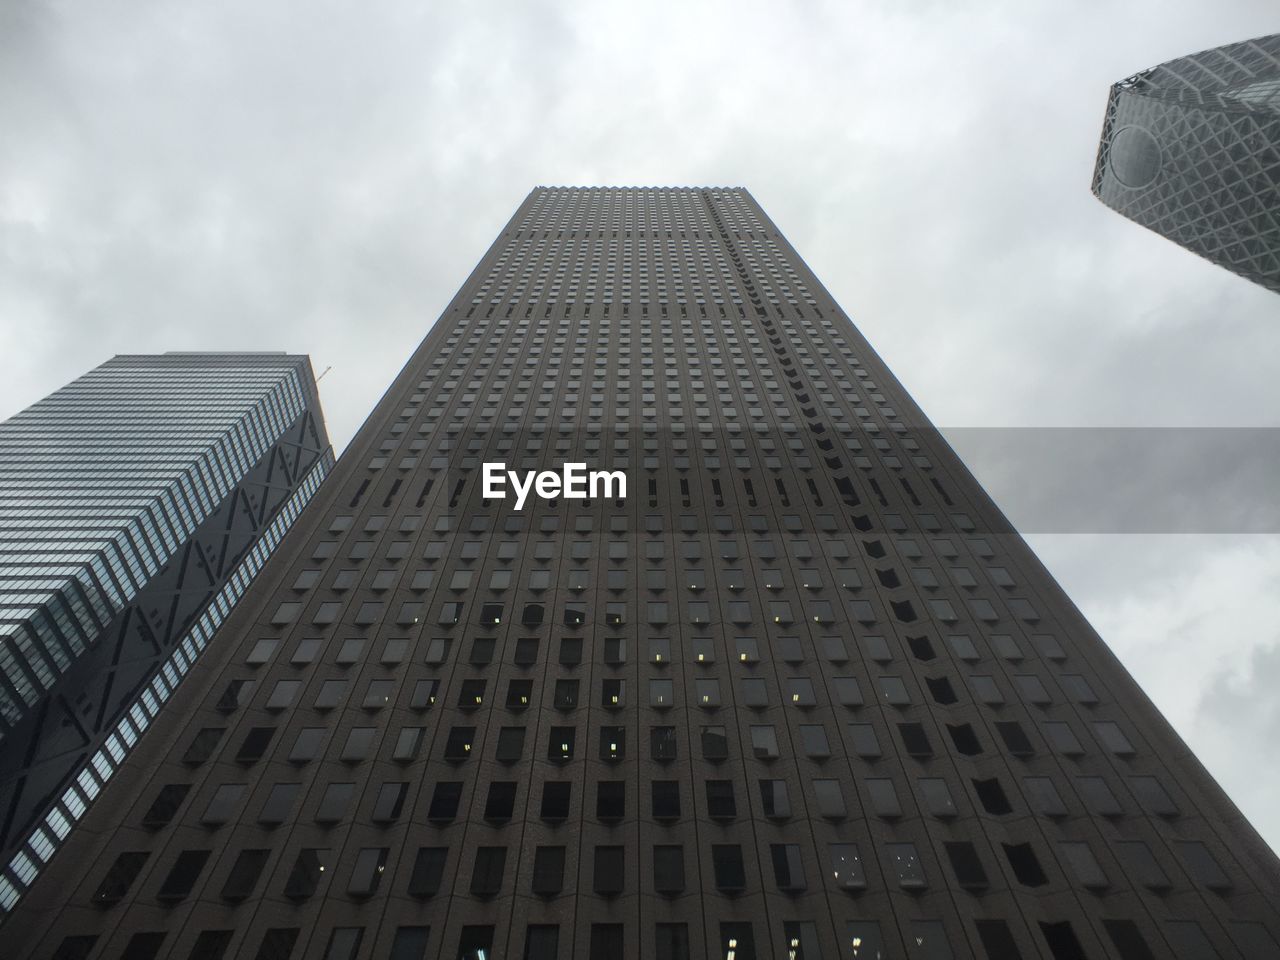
point(721, 803)
point(519, 694)
point(203, 745)
point(914, 740)
point(548, 871)
point(308, 869)
point(410, 943)
point(992, 797)
point(607, 941)
point(1015, 738)
point(666, 799)
point(555, 800)
point(390, 803)
point(277, 943)
point(737, 941)
point(120, 877)
point(671, 941)
point(475, 943)
point(542, 942)
point(244, 875)
point(788, 867)
point(727, 864)
point(610, 869)
point(1128, 939)
point(334, 802)
point(143, 946)
point(998, 941)
point(166, 804)
point(211, 945)
point(486, 876)
point(444, 801)
point(968, 868)
point(611, 800)
point(663, 743)
point(501, 802)
point(78, 947)
point(774, 799)
point(279, 803)
point(668, 869)
point(428, 871)
point(366, 874)
point(183, 875)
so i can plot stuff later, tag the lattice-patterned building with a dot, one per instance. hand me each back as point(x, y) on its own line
point(136, 503)
point(801, 693)
point(1191, 150)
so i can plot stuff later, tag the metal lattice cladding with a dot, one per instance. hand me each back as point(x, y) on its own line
point(1191, 150)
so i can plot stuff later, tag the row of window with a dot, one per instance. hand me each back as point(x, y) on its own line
point(665, 872)
point(736, 940)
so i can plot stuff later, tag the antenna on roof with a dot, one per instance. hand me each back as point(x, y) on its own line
point(326, 370)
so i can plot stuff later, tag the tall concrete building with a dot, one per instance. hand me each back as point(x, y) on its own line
point(783, 684)
point(1191, 150)
point(135, 505)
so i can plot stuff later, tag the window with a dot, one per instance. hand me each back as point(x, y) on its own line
point(671, 941)
point(555, 800)
point(1201, 864)
point(611, 800)
point(367, 872)
point(308, 869)
point(665, 799)
point(486, 875)
point(1098, 796)
point(846, 866)
point(966, 865)
point(1082, 864)
point(444, 801)
point(424, 694)
point(661, 694)
point(609, 873)
point(225, 799)
point(165, 805)
point(863, 741)
point(764, 742)
point(813, 741)
point(243, 878)
point(428, 871)
point(475, 943)
point(668, 869)
point(607, 941)
point(864, 938)
point(542, 941)
point(884, 798)
point(1043, 797)
point(721, 803)
point(830, 799)
point(500, 804)
point(203, 745)
point(182, 876)
point(458, 746)
point(1141, 864)
point(788, 866)
point(279, 802)
point(560, 744)
point(410, 943)
point(727, 865)
point(548, 871)
point(904, 861)
point(937, 797)
point(663, 743)
point(359, 744)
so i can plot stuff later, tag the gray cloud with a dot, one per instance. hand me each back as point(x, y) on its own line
point(321, 178)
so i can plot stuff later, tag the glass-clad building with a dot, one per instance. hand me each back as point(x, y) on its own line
point(136, 503)
point(1191, 150)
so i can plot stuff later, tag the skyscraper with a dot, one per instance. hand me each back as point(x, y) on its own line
point(135, 505)
point(1191, 150)
point(798, 690)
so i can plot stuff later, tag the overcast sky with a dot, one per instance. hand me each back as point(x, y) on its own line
point(320, 177)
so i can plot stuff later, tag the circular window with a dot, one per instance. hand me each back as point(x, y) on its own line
point(1134, 156)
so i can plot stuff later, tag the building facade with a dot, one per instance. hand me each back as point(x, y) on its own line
point(799, 692)
point(1191, 150)
point(135, 505)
